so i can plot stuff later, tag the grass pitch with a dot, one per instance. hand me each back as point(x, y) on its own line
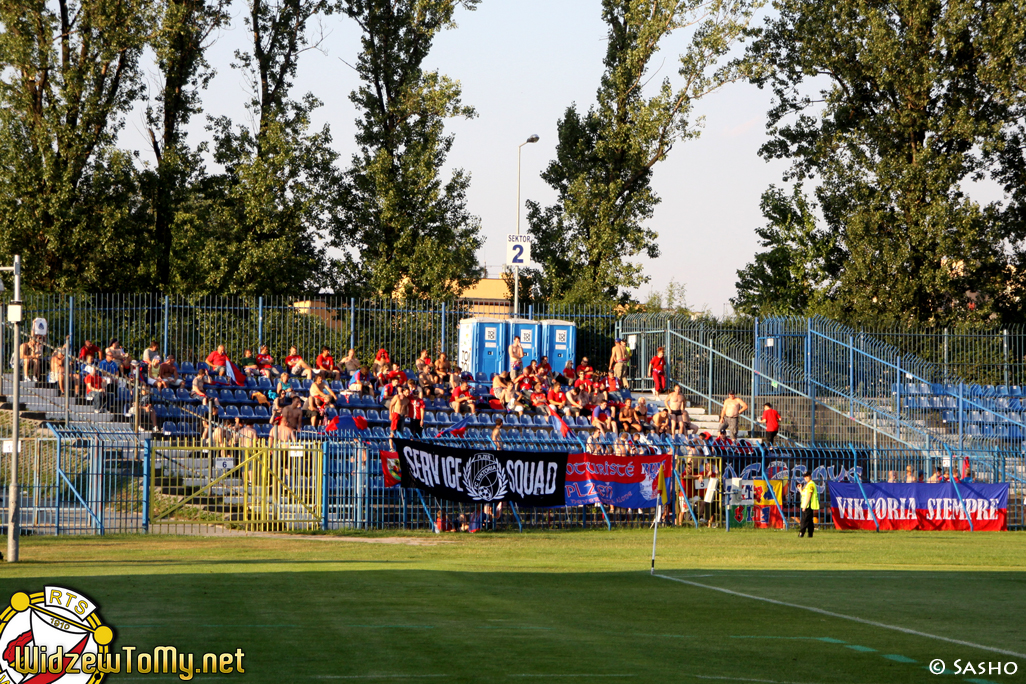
point(554, 607)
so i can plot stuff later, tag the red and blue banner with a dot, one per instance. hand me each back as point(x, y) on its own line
point(624, 481)
point(920, 506)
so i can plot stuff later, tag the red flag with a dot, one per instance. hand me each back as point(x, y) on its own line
point(558, 423)
point(390, 468)
point(235, 374)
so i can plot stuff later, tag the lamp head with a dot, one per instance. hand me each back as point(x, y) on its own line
point(533, 138)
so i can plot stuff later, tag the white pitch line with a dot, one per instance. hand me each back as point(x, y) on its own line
point(741, 679)
point(872, 623)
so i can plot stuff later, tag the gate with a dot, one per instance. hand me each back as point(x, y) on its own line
point(221, 490)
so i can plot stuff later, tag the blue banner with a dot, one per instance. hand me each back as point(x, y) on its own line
point(623, 481)
point(919, 506)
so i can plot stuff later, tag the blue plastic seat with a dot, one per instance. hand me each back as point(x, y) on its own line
point(187, 367)
point(203, 365)
point(264, 384)
point(246, 412)
point(184, 396)
point(230, 412)
point(241, 397)
point(170, 428)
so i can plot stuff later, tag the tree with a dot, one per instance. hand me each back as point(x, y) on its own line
point(413, 232)
point(910, 114)
point(263, 225)
point(179, 44)
point(796, 274)
point(604, 159)
point(68, 199)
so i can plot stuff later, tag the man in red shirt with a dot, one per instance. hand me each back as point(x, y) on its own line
point(416, 414)
point(540, 400)
point(771, 419)
point(217, 360)
point(265, 362)
point(657, 369)
point(95, 390)
point(395, 372)
point(296, 366)
point(88, 349)
point(584, 369)
point(557, 399)
point(544, 366)
point(462, 398)
point(325, 363)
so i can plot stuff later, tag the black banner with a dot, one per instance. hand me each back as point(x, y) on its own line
point(527, 478)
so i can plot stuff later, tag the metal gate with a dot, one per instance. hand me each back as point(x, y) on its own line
point(235, 489)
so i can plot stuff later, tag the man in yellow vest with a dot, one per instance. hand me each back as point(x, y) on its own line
point(810, 503)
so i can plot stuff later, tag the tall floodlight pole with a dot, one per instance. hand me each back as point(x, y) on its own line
point(13, 495)
point(516, 269)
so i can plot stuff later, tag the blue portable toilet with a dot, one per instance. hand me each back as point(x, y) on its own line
point(482, 346)
point(559, 343)
point(530, 333)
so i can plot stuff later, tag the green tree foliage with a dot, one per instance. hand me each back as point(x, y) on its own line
point(68, 199)
point(262, 226)
point(795, 274)
point(413, 232)
point(910, 109)
point(179, 44)
point(602, 173)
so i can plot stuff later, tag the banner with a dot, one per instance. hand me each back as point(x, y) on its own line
point(764, 512)
point(527, 478)
point(624, 481)
point(390, 468)
point(920, 506)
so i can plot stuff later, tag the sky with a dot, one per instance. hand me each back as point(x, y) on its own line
point(521, 63)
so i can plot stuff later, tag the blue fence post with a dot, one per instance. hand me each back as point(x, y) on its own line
point(530, 312)
point(952, 469)
point(851, 376)
point(167, 317)
point(858, 481)
point(961, 418)
point(769, 486)
point(352, 323)
point(810, 384)
point(443, 328)
point(260, 321)
point(324, 487)
point(71, 326)
point(147, 483)
point(756, 366)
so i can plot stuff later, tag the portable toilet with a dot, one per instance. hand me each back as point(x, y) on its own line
point(482, 346)
point(559, 343)
point(530, 339)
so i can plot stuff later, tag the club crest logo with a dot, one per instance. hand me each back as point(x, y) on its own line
point(49, 636)
point(650, 485)
point(484, 479)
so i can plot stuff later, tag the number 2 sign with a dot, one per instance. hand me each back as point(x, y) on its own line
point(518, 250)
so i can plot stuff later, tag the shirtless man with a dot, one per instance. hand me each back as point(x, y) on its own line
point(661, 422)
point(291, 419)
point(516, 354)
point(398, 408)
point(675, 403)
point(618, 361)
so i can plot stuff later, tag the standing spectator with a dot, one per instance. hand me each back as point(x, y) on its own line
point(657, 370)
point(909, 475)
point(675, 403)
point(398, 408)
point(618, 361)
point(57, 371)
point(32, 358)
point(810, 504)
point(217, 359)
point(296, 366)
point(88, 349)
point(771, 419)
point(732, 409)
point(325, 363)
point(292, 420)
point(417, 406)
point(167, 377)
point(516, 355)
point(462, 398)
point(497, 434)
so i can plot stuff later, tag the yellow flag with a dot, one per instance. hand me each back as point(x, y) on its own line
point(662, 485)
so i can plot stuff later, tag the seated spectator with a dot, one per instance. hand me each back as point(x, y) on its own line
point(361, 383)
point(429, 383)
point(382, 362)
point(147, 414)
point(938, 476)
point(612, 384)
point(463, 399)
point(153, 372)
point(532, 369)
point(396, 372)
point(628, 419)
point(584, 369)
point(32, 358)
point(502, 387)
point(909, 475)
point(57, 369)
point(641, 410)
point(892, 477)
point(321, 395)
point(88, 349)
point(109, 365)
point(249, 364)
point(540, 400)
point(150, 353)
point(217, 359)
point(296, 366)
point(569, 374)
point(116, 350)
point(167, 377)
point(574, 403)
point(351, 363)
point(95, 393)
point(601, 418)
point(443, 368)
point(423, 361)
point(544, 368)
point(325, 364)
point(199, 387)
point(389, 390)
point(265, 362)
point(557, 399)
point(661, 421)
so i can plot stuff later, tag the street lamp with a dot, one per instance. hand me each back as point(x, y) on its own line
point(516, 274)
point(14, 316)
